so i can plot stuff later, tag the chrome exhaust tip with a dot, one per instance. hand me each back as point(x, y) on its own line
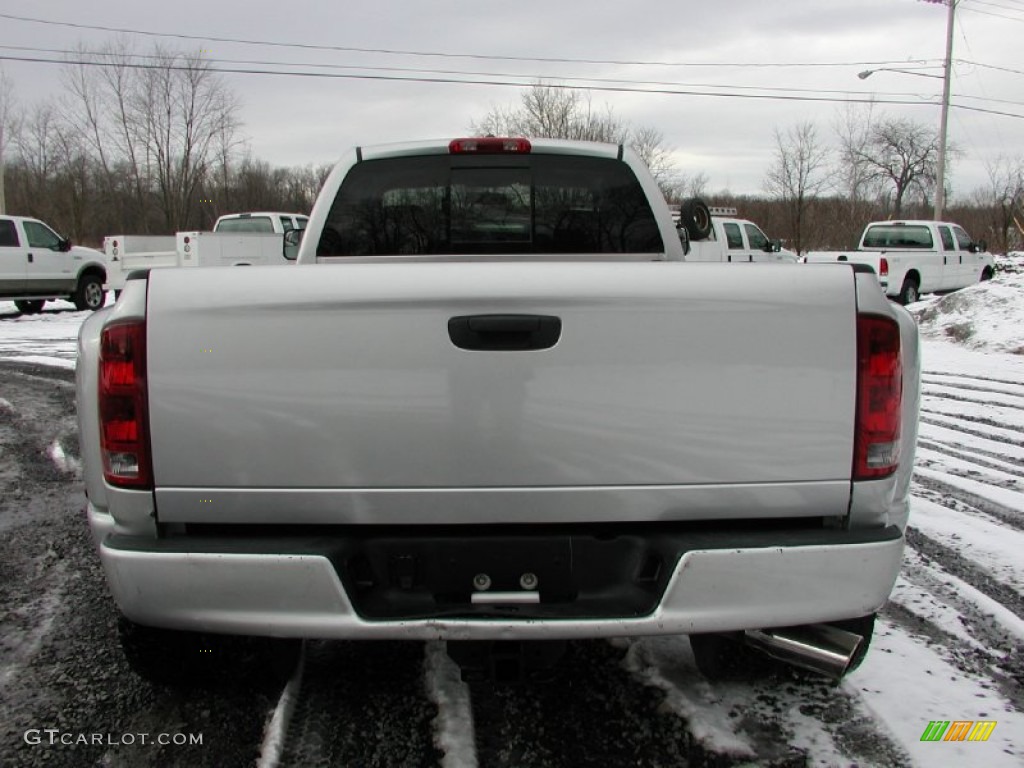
point(820, 648)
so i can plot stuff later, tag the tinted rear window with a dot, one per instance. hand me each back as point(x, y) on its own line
point(8, 234)
point(248, 224)
point(532, 204)
point(898, 236)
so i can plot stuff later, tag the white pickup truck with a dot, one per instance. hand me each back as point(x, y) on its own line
point(492, 404)
point(38, 265)
point(715, 234)
point(916, 257)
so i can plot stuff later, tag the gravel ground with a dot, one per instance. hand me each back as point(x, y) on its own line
point(948, 645)
point(68, 698)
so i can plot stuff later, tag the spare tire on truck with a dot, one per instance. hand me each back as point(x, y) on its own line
point(695, 216)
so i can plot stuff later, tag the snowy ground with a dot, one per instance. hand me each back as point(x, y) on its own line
point(949, 646)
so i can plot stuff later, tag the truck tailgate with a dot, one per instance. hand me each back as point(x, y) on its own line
point(336, 394)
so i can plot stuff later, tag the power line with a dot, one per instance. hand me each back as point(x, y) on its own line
point(400, 52)
point(853, 99)
point(120, 58)
point(989, 66)
point(452, 80)
point(997, 5)
point(994, 15)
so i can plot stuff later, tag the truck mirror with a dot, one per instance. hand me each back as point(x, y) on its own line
point(773, 246)
point(292, 240)
point(684, 238)
point(64, 245)
point(979, 247)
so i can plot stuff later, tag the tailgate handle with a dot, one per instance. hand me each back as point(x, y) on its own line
point(504, 332)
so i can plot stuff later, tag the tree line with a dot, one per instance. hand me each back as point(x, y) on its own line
point(149, 149)
point(158, 148)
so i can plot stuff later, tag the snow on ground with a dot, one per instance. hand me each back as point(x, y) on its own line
point(950, 643)
point(48, 338)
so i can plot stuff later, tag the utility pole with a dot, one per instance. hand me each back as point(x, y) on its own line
point(940, 171)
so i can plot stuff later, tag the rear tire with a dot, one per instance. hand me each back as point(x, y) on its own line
point(194, 659)
point(30, 306)
point(910, 292)
point(90, 294)
point(725, 656)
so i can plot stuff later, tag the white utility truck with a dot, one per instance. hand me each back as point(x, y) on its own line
point(715, 234)
point(239, 239)
point(125, 253)
point(916, 257)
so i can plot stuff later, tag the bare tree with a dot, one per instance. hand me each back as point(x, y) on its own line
point(547, 111)
point(6, 128)
point(36, 143)
point(155, 131)
point(798, 174)
point(187, 111)
point(902, 155)
point(680, 186)
point(1003, 202)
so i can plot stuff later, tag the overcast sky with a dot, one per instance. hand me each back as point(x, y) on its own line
point(739, 50)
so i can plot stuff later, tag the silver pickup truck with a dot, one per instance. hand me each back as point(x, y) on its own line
point(493, 404)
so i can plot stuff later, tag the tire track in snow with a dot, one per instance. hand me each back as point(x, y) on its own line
point(959, 381)
point(936, 419)
point(987, 459)
point(780, 717)
point(945, 490)
point(362, 704)
point(929, 601)
point(952, 561)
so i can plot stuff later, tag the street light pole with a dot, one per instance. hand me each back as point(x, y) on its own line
point(947, 67)
point(940, 170)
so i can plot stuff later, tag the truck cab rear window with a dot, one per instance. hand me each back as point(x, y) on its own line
point(898, 236)
point(441, 205)
point(246, 224)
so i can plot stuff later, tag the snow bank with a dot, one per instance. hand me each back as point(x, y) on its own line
point(988, 316)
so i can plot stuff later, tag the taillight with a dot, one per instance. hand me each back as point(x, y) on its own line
point(124, 433)
point(876, 445)
point(883, 267)
point(490, 145)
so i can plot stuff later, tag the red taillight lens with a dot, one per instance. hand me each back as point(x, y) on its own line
point(490, 145)
point(883, 267)
point(124, 437)
point(876, 446)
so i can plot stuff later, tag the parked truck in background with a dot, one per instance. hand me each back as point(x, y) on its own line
point(715, 234)
point(238, 239)
point(912, 258)
point(494, 405)
point(125, 253)
point(261, 221)
point(38, 265)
